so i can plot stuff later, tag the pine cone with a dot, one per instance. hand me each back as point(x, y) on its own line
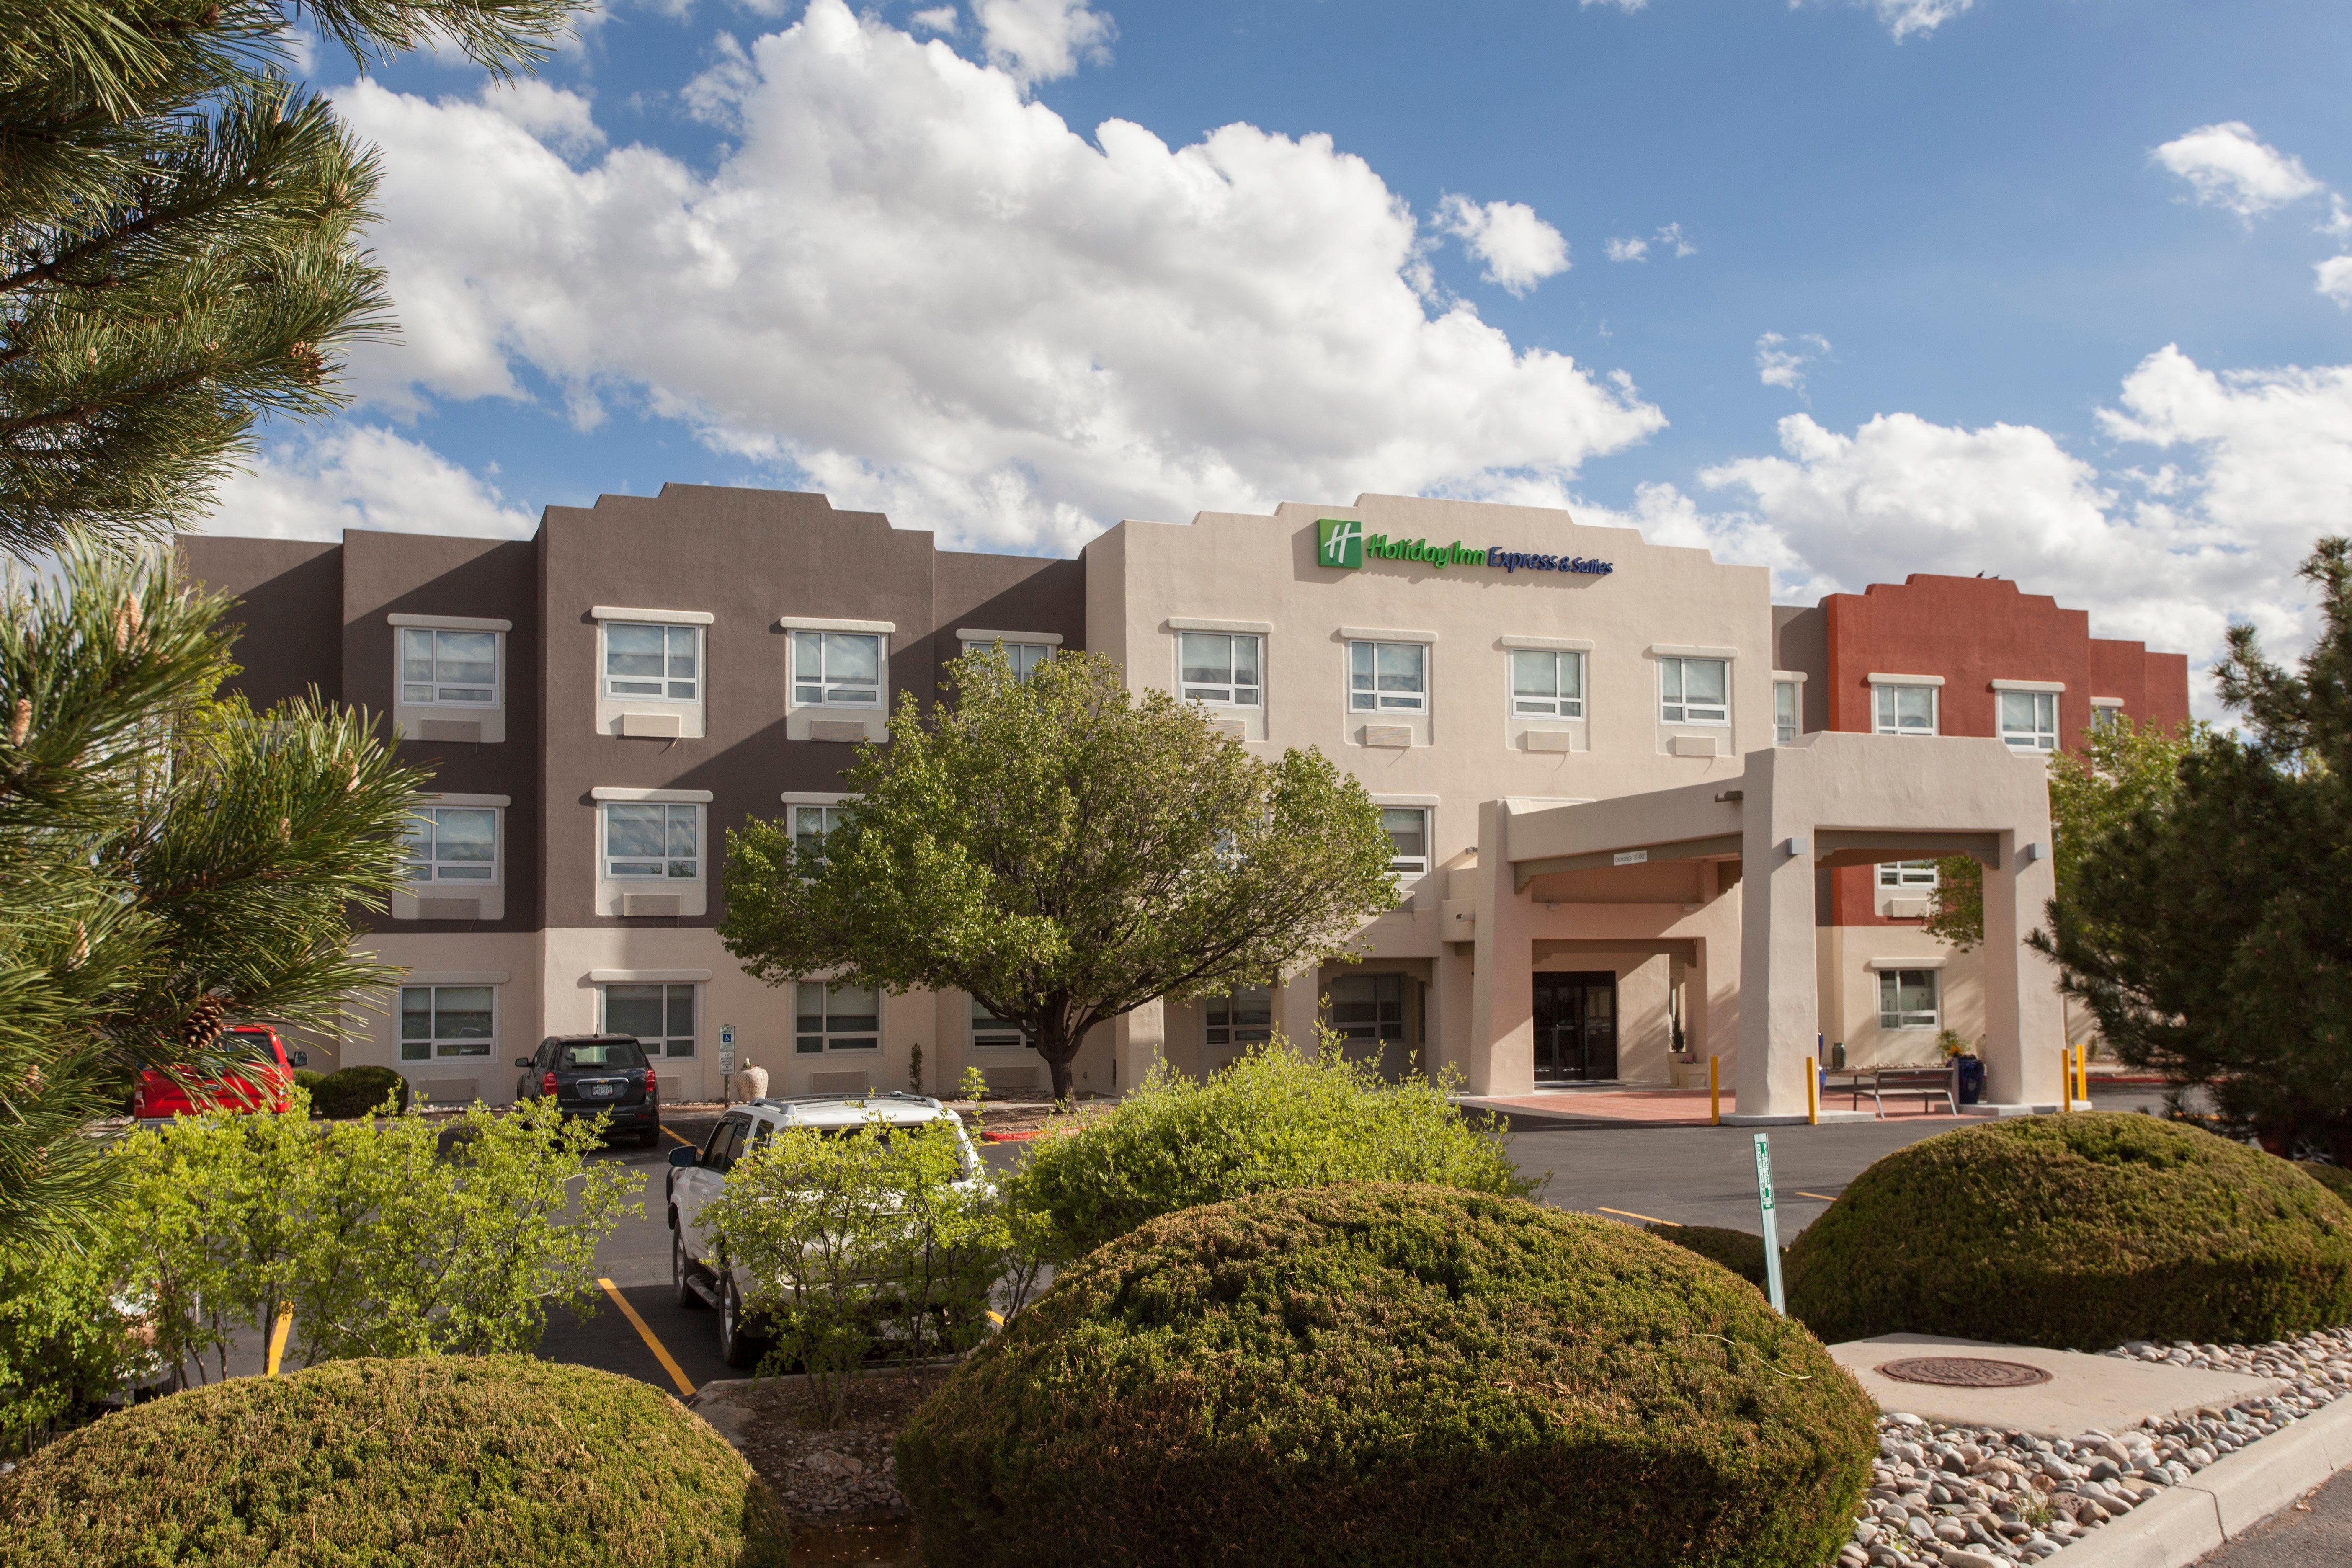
point(202, 1024)
point(20, 724)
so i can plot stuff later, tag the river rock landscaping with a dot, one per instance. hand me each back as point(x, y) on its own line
point(1973, 1497)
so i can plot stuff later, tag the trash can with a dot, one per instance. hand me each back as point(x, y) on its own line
point(1971, 1071)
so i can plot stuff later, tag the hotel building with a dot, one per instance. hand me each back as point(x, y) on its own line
point(1628, 795)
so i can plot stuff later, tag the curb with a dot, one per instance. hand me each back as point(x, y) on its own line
point(2225, 1499)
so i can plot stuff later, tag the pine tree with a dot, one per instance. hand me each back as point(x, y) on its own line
point(180, 230)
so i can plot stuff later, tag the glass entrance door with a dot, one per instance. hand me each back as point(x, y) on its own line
point(1576, 1026)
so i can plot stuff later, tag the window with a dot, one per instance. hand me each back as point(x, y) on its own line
point(1907, 999)
point(2106, 715)
point(664, 663)
point(2029, 719)
point(726, 1143)
point(1243, 1017)
point(1388, 677)
point(1368, 1007)
point(991, 1033)
point(1548, 683)
point(1023, 656)
point(811, 823)
point(1905, 710)
point(1408, 830)
point(651, 838)
point(1914, 874)
point(1220, 668)
point(836, 1019)
point(837, 669)
point(594, 1054)
point(445, 668)
point(1694, 690)
point(1787, 712)
point(445, 1021)
point(660, 1017)
point(453, 844)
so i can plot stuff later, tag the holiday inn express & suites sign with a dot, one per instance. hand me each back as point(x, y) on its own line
point(1341, 542)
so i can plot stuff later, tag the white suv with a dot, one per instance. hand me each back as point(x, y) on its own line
point(699, 1269)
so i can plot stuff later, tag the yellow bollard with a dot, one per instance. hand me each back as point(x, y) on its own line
point(2065, 1078)
point(1714, 1093)
point(2082, 1073)
point(277, 1335)
point(1813, 1092)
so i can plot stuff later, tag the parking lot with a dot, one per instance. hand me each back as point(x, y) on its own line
point(1690, 1176)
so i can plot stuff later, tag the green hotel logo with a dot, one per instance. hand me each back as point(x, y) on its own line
point(1339, 542)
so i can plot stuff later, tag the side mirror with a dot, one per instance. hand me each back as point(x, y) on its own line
point(686, 1158)
point(301, 1059)
point(522, 1061)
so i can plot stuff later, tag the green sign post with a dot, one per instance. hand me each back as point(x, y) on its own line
point(1771, 1225)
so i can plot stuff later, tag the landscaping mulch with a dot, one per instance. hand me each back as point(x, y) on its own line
point(843, 1474)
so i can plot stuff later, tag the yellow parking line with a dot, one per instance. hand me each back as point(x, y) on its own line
point(672, 1132)
point(1823, 1196)
point(661, 1354)
point(1629, 1214)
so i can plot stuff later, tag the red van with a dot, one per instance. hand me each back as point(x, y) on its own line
point(159, 1097)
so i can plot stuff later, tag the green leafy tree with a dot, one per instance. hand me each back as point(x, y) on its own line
point(1064, 851)
point(173, 861)
point(2121, 768)
point(2210, 931)
point(180, 238)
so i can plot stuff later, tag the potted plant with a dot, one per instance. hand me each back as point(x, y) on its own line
point(1966, 1063)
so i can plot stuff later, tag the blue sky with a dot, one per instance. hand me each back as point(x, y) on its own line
point(1921, 284)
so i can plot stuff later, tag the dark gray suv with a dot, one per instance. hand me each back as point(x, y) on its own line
point(588, 1075)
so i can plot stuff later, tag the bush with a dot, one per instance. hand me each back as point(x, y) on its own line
point(1734, 1249)
point(2077, 1231)
point(1392, 1375)
point(2334, 1178)
point(64, 1343)
point(357, 1091)
point(445, 1461)
point(308, 1080)
point(1273, 1118)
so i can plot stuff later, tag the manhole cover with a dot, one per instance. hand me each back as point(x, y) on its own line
point(1964, 1371)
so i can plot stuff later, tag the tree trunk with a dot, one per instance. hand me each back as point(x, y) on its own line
point(1059, 1050)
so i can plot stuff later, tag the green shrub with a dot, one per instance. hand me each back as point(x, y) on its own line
point(308, 1080)
point(450, 1462)
point(1392, 1376)
point(2334, 1178)
point(2077, 1231)
point(1734, 1249)
point(64, 1344)
point(357, 1091)
point(1273, 1118)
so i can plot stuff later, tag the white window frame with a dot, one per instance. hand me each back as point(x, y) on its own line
point(1886, 703)
point(2105, 711)
point(1221, 1027)
point(1556, 706)
point(1231, 692)
point(829, 690)
point(1901, 1018)
point(991, 1033)
point(609, 683)
point(1402, 866)
point(1788, 710)
point(437, 1046)
point(2036, 739)
point(1907, 875)
point(432, 878)
point(859, 1041)
point(669, 810)
point(406, 627)
point(1675, 709)
point(665, 1046)
point(1024, 653)
point(1372, 698)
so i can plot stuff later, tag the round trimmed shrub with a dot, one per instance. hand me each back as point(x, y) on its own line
point(2077, 1231)
point(356, 1091)
point(2334, 1178)
point(1396, 1375)
point(445, 1462)
point(1734, 1249)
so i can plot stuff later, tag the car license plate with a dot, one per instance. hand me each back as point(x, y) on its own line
point(600, 1091)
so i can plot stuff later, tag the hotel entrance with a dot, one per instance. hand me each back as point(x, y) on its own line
point(1576, 1026)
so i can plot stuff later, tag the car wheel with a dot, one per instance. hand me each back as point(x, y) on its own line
point(652, 1138)
point(681, 1272)
point(738, 1347)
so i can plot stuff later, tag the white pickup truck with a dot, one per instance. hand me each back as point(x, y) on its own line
point(699, 1270)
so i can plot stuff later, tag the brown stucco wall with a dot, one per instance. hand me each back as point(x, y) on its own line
point(1801, 642)
point(289, 614)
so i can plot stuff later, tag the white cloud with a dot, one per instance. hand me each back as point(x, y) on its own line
point(937, 19)
point(1905, 18)
point(561, 119)
point(1781, 362)
point(921, 291)
point(2335, 280)
point(1627, 249)
point(1625, 6)
point(1041, 40)
point(2226, 165)
point(362, 476)
point(1671, 238)
point(1520, 249)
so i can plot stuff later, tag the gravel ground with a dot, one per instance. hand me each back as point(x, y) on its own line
point(1973, 1497)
